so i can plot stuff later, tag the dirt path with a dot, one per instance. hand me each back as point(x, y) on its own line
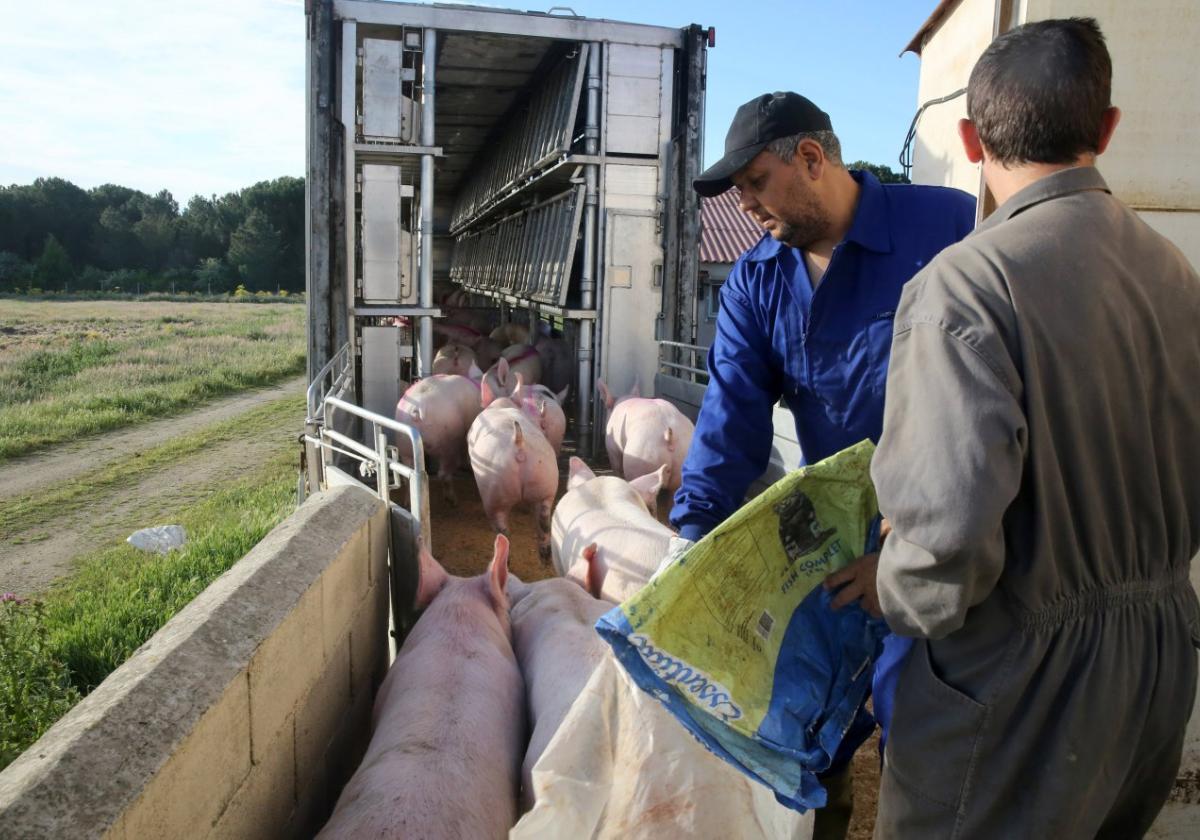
point(26, 475)
point(32, 560)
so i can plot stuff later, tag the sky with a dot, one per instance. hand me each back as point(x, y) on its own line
point(207, 96)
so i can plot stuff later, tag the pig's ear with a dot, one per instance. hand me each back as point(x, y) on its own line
point(474, 374)
point(502, 372)
point(520, 380)
point(595, 574)
point(561, 396)
point(431, 578)
point(648, 485)
point(498, 573)
point(637, 388)
point(578, 473)
point(605, 394)
point(486, 395)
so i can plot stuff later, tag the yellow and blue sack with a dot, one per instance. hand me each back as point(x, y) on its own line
point(738, 641)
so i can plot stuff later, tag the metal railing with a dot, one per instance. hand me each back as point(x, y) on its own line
point(528, 254)
point(688, 362)
point(334, 378)
point(322, 441)
point(538, 135)
point(379, 459)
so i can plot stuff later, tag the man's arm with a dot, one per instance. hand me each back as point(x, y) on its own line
point(947, 468)
point(732, 441)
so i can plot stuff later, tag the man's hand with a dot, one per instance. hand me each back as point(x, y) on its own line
point(858, 582)
point(676, 548)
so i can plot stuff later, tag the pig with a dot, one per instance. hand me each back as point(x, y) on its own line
point(513, 464)
point(545, 407)
point(644, 434)
point(445, 332)
point(605, 522)
point(554, 637)
point(524, 359)
point(487, 352)
point(511, 333)
point(448, 728)
point(454, 359)
point(441, 408)
point(558, 362)
point(519, 360)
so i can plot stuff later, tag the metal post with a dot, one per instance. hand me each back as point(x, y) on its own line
point(428, 62)
point(587, 278)
point(317, 271)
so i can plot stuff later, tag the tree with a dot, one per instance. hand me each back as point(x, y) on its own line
point(883, 173)
point(54, 269)
point(212, 273)
point(254, 249)
point(15, 273)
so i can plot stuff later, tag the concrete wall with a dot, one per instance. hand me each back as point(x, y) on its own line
point(245, 714)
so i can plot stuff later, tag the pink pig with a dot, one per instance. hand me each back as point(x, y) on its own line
point(557, 646)
point(603, 535)
point(513, 464)
point(454, 358)
point(448, 725)
point(441, 408)
point(545, 408)
point(644, 434)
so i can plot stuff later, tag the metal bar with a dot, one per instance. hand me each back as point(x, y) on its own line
point(503, 22)
point(425, 293)
point(367, 149)
point(587, 278)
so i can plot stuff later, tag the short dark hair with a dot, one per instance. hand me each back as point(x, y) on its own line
point(1038, 94)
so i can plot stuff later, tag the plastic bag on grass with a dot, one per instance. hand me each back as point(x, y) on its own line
point(737, 640)
point(160, 539)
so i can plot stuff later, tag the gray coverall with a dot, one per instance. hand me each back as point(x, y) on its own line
point(1040, 466)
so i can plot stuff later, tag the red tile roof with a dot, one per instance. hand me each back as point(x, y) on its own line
point(725, 231)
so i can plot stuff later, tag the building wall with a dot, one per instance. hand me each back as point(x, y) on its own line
point(946, 63)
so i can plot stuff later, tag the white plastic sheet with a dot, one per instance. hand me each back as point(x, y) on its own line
point(160, 539)
point(621, 767)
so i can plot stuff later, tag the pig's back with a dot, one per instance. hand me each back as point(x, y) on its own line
point(445, 753)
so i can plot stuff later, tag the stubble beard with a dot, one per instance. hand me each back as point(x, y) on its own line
point(806, 222)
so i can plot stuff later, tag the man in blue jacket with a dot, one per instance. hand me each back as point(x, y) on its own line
point(806, 316)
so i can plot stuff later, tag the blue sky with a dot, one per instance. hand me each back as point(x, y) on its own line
point(207, 96)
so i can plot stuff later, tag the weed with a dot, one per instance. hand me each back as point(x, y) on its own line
point(35, 685)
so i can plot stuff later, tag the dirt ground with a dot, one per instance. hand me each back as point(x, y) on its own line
point(462, 542)
point(31, 561)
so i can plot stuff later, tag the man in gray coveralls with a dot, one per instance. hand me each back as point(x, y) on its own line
point(1040, 466)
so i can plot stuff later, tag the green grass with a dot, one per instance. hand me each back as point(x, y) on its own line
point(24, 513)
point(55, 651)
point(71, 369)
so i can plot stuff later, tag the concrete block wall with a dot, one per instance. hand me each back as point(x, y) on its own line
point(245, 714)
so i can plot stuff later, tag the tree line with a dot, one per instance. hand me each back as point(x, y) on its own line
point(55, 236)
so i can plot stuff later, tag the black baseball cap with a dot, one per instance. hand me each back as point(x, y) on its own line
point(757, 123)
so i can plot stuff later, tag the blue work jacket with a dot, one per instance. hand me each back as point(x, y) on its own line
point(823, 351)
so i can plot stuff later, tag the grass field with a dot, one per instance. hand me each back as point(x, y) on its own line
point(70, 369)
point(55, 650)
